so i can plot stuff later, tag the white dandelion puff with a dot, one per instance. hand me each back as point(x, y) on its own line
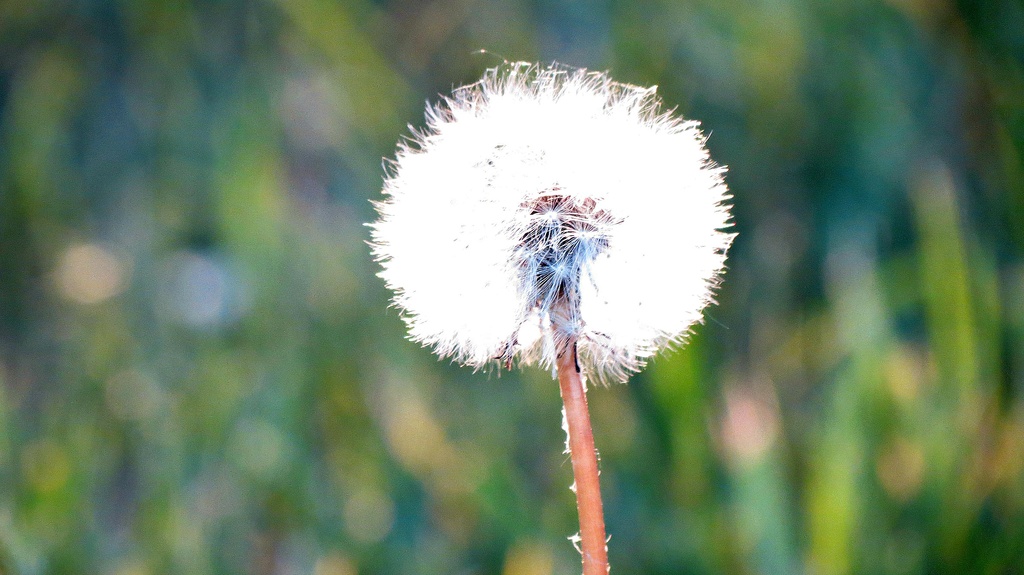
point(547, 205)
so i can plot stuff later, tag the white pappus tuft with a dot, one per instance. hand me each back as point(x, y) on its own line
point(543, 205)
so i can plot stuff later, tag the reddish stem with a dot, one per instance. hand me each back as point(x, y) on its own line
point(594, 544)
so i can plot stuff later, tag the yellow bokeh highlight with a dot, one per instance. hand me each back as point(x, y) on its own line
point(528, 558)
point(90, 274)
point(335, 564)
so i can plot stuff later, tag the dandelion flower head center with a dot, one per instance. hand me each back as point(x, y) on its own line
point(562, 235)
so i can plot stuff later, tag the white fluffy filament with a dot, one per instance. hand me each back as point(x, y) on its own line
point(544, 204)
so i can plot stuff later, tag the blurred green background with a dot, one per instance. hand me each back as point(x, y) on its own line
point(199, 372)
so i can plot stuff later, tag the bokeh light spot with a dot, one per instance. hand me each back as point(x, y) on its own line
point(89, 274)
point(749, 427)
point(334, 564)
point(369, 515)
point(528, 558)
point(200, 291)
point(45, 465)
point(259, 447)
point(900, 468)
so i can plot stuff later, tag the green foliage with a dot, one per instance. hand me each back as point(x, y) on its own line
point(199, 371)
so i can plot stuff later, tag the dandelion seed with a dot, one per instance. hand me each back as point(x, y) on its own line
point(543, 204)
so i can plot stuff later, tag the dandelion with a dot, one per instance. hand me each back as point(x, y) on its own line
point(553, 216)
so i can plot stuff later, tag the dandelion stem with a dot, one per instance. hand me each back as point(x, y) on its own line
point(594, 544)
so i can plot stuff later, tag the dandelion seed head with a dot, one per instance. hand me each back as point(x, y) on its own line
point(542, 205)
